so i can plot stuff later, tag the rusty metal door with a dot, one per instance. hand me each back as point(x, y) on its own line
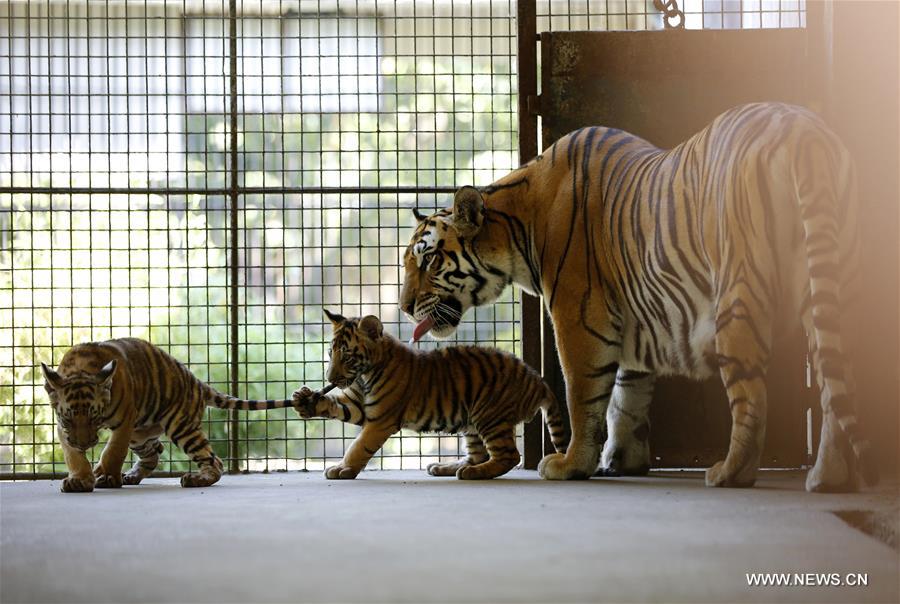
point(665, 86)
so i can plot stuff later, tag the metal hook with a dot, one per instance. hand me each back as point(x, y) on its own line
point(673, 16)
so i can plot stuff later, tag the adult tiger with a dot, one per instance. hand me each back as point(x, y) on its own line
point(654, 262)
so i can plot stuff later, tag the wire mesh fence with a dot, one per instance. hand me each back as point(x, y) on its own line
point(209, 175)
point(123, 214)
point(614, 15)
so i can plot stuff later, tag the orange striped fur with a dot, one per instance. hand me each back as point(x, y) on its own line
point(139, 392)
point(659, 262)
point(386, 385)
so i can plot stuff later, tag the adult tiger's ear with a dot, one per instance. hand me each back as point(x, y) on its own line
point(107, 371)
point(53, 381)
point(420, 217)
point(335, 318)
point(371, 327)
point(468, 209)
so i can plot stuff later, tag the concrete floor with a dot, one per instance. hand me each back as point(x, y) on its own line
point(406, 537)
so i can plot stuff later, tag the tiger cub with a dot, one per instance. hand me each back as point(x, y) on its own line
point(139, 392)
point(387, 385)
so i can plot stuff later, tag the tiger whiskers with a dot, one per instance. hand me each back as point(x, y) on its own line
point(446, 314)
point(423, 310)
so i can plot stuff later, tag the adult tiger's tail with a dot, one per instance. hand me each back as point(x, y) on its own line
point(556, 424)
point(826, 198)
point(214, 398)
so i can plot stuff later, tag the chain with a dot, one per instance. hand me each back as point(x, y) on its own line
point(672, 15)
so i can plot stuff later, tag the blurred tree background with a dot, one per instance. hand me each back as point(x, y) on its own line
point(91, 266)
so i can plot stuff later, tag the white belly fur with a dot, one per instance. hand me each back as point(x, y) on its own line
point(700, 346)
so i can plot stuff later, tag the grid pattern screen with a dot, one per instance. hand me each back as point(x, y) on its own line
point(210, 176)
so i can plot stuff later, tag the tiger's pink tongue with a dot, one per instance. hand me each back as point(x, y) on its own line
point(422, 327)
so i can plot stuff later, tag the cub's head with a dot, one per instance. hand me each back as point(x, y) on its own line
point(446, 268)
point(80, 401)
point(353, 347)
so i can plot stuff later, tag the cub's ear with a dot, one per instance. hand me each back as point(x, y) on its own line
point(468, 208)
point(107, 371)
point(371, 327)
point(420, 217)
point(334, 317)
point(53, 381)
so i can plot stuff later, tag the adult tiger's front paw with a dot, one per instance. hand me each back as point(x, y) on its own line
point(341, 472)
point(305, 400)
point(557, 466)
point(77, 485)
point(719, 475)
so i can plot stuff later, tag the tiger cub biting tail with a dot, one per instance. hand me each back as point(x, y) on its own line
point(139, 392)
point(385, 386)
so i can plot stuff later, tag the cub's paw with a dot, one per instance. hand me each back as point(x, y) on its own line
point(472, 473)
point(303, 395)
point(305, 400)
point(718, 476)
point(77, 485)
point(340, 472)
point(557, 466)
point(443, 469)
point(132, 478)
point(198, 479)
point(109, 481)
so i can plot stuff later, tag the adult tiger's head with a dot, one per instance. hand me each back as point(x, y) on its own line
point(451, 264)
point(80, 401)
point(353, 347)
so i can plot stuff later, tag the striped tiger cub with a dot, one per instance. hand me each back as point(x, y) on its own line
point(139, 392)
point(385, 385)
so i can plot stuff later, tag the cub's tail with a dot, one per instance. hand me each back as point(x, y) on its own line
point(214, 398)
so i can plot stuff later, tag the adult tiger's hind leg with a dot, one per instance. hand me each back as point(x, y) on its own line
point(743, 340)
point(835, 470)
point(476, 454)
point(145, 444)
point(627, 449)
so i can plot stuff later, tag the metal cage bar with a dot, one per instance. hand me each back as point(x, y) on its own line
point(251, 440)
point(209, 174)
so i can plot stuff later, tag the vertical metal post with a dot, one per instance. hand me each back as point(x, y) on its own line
point(819, 28)
point(526, 22)
point(233, 453)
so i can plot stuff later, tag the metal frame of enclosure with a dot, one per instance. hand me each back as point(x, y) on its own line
point(208, 174)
